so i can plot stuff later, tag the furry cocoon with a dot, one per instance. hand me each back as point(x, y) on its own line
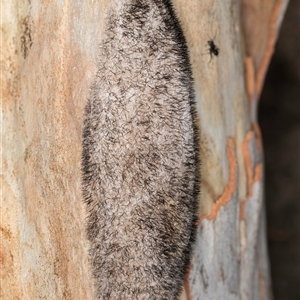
point(140, 158)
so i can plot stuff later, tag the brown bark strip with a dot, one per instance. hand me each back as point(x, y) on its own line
point(186, 284)
point(250, 78)
point(251, 178)
point(248, 160)
point(269, 48)
point(258, 137)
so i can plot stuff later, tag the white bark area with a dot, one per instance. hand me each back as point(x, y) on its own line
point(48, 61)
point(230, 258)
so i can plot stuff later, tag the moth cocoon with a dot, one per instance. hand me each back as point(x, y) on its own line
point(140, 155)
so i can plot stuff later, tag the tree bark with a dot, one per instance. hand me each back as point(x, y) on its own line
point(48, 61)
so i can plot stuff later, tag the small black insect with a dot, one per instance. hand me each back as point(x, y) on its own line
point(213, 49)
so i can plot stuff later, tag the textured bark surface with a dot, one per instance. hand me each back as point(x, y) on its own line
point(230, 258)
point(48, 61)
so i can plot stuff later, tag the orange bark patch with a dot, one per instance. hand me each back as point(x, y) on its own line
point(250, 78)
point(230, 188)
point(247, 158)
point(258, 172)
point(251, 178)
point(257, 136)
point(269, 48)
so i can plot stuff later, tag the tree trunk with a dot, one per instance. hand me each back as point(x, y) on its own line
point(48, 62)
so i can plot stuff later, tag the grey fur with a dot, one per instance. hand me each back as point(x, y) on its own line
point(140, 155)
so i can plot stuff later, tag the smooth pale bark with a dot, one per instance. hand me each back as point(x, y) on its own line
point(48, 61)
